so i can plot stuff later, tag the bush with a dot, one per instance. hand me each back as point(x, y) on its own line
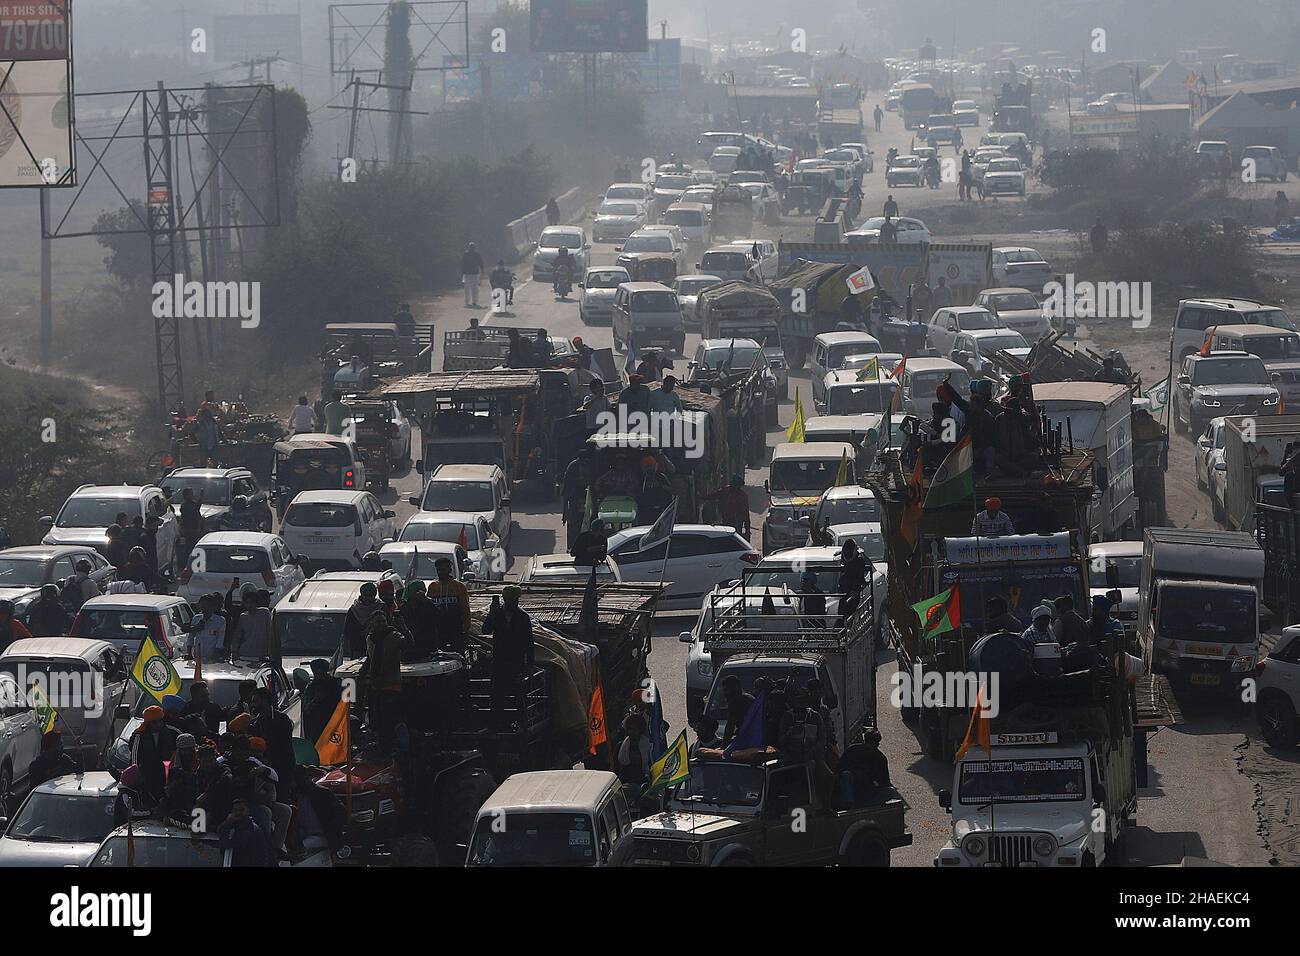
point(1172, 256)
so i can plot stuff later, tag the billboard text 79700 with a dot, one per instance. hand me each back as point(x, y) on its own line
point(33, 30)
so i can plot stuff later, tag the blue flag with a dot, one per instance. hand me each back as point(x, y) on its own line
point(750, 734)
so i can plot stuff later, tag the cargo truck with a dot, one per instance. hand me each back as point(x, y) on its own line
point(1097, 416)
point(1198, 610)
point(1254, 448)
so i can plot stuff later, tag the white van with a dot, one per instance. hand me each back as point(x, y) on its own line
point(552, 818)
point(335, 529)
point(692, 218)
point(829, 351)
point(723, 159)
point(648, 313)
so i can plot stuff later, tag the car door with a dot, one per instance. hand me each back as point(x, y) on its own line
point(493, 566)
point(110, 668)
point(788, 797)
point(694, 567)
point(503, 514)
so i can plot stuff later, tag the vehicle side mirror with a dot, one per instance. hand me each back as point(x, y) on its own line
point(414, 499)
point(686, 637)
point(767, 486)
point(1275, 376)
point(945, 800)
point(805, 520)
point(390, 514)
point(1184, 379)
point(1220, 466)
point(386, 541)
point(419, 467)
point(122, 712)
point(46, 521)
point(492, 541)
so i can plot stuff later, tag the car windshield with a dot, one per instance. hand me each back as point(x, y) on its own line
point(982, 319)
point(625, 192)
point(302, 634)
point(534, 839)
point(872, 543)
point(1020, 255)
point(1274, 318)
point(1126, 570)
point(836, 354)
point(320, 514)
point(619, 209)
point(737, 358)
point(1274, 348)
point(209, 491)
point(458, 496)
point(1013, 301)
point(566, 240)
point(673, 182)
point(21, 572)
point(1230, 372)
point(449, 531)
point(1004, 166)
point(848, 510)
point(60, 818)
point(123, 627)
point(649, 243)
point(222, 559)
point(860, 398)
point(424, 563)
point(655, 302)
point(725, 262)
point(159, 851)
point(695, 286)
point(606, 279)
point(1022, 781)
point(88, 512)
point(923, 384)
point(223, 691)
point(1213, 615)
point(908, 161)
point(804, 475)
point(992, 343)
point(722, 784)
point(684, 217)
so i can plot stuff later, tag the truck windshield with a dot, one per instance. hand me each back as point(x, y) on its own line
point(534, 839)
point(855, 399)
point(1221, 615)
point(1126, 568)
point(1023, 586)
point(804, 475)
point(1036, 780)
point(722, 784)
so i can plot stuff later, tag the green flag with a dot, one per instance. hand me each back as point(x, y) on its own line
point(46, 713)
point(941, 613)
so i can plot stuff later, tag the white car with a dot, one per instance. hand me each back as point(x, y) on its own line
point(688, 289)
point(700, 556)
point(88, 511)
point(1211, 448)
point(693, 219)
point(704, 195)
point(24, 571)
point(844, 505)
point(966, 113)
point(660, 243)
point(336, 529)
point(1020, 266)
point(905, 171)
point(125, 619)
point(549, 243)
point(1004, 176)
point(1115, 565)
point(468, 529)
point(470, 489)
point(637, 192)
point(974, 349)
point(1017, 309)
point(947, 323)
point(220, 558)
point(20, 733)
point(417, 560)
point(62, 822)
point(563, 569)
point(617, 219)
point(765, 198)
point(596, 294)
point(1278, 687)
point(866, 158)
point(909, 230)
point(723, 159)
point(980, 159)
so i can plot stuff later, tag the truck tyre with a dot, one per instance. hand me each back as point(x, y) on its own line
point(1278, 723)
point(458, 805)
point(797, 356)
point(415, 849)
point(737, 861)
point(932, 736)
point(867, 849)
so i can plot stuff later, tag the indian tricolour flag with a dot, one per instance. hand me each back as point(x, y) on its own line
point(955, 479)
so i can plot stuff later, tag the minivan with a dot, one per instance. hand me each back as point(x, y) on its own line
point(648, 313)
point(1196, 317)
point(829, 351)
point(692, 218)
point(335, 529)
point(552, 818)
point(478, 489)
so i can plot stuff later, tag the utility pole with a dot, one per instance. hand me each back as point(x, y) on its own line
point(47, 309)
point(161, 222)
point(356, 109)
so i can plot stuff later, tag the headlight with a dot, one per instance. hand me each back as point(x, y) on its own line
point(1044, 846)
point(973, 846)
point(704, 667)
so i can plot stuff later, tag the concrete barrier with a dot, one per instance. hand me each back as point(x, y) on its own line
point(521, 234)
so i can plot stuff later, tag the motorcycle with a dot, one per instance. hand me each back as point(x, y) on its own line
point(563, 282)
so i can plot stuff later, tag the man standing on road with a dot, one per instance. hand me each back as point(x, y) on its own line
point(891, 207)
point(877, 114)
point(471, 269)
point(941, 296)
point(1098, 237)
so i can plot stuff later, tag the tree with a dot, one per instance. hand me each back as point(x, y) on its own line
point(128, 259)
point(398, 64)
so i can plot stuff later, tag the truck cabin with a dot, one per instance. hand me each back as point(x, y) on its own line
point(1025, 570)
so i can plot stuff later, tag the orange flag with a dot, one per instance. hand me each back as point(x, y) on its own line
point(198, 662)
point(596, 718)
point(977, 732)
point(334, 745)
point(909, 524)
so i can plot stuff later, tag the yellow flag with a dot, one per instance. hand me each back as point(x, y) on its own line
point(795, 431)
point(870, 372)
point(46, 713)
point(672, 768)
point(334, 744)
point(842, 476)
point(154, 672)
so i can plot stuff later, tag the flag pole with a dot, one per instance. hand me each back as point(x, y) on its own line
point(347, 763)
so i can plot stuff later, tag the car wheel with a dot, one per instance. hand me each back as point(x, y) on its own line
point(6, 784)
point(1277, 722)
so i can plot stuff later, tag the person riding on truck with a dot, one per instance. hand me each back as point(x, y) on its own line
point(450, 600)
point(1106, 632)
point(592, 546)
point(992, 522)
point(1040, 631)
point(997, 617)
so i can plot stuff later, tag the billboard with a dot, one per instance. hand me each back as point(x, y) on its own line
point(659, 69)
point(36, 123)
point(238, 39)
point(511, 77)
point(34, 31)
point(589, 26)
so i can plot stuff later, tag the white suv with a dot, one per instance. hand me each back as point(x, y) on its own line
point(336, 529)
point(1278, 688)
point(220, 558)
point(86, 515)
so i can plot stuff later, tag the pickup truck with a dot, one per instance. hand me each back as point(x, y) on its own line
point(730, 813)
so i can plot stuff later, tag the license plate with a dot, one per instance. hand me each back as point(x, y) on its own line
point(322, 539)
point(1204, 650)
point(1205, 680)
